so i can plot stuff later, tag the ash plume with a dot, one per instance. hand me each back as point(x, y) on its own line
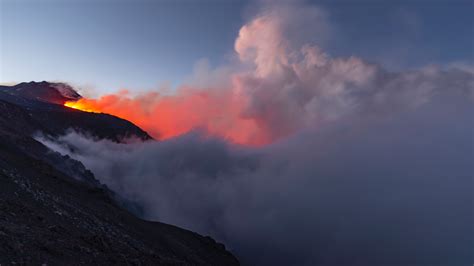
point(283, 82)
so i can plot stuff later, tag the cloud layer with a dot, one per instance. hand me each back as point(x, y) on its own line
point(392, 191)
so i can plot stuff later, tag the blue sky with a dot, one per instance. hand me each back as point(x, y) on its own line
point(144, 44)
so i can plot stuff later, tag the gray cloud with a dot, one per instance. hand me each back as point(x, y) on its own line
point(293, 84)
point(393, 190)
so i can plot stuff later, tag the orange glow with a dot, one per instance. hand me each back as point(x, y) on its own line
point(217, 112)
point(80, 105)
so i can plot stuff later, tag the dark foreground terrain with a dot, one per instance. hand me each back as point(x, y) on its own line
point(52, 209)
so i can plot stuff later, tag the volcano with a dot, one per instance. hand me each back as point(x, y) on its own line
point(54, 211)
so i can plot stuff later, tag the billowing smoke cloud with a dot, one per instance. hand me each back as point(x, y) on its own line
point(366, 166)
point(282, 84)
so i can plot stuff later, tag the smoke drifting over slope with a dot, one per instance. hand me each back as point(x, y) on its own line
point(394, 191)
point(365, 166)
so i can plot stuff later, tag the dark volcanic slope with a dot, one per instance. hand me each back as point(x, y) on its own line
point(48, 216)
point(43, 104)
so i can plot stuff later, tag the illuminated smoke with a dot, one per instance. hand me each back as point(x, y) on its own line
point(257, 105)
point(284, 84)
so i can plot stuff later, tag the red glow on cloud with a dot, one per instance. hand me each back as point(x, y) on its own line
point(216, 112)
point(282, 85)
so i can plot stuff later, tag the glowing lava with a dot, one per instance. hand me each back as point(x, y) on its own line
point(80, 105)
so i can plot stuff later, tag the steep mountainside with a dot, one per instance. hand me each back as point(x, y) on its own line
point(53, 211)
point(42, 104)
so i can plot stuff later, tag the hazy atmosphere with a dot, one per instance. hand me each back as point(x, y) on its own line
point(293, 132)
